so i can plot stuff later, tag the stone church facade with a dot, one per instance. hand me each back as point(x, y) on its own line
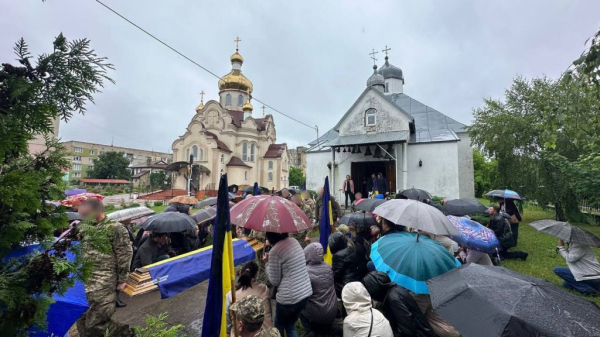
point(224, 137)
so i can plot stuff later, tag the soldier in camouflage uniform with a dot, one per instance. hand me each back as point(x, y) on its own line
point(110, 272)
point(301, 235)
point(250, 314)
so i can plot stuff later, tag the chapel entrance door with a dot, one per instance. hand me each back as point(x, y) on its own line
point(361, 173)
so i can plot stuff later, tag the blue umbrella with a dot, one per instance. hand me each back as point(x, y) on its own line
point(255, 191)
point(410, 260)
point(473, 235)
point(504, 194)
point(74, 191)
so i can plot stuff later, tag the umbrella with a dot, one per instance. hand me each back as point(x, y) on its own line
point(495, 301)
point(368, 205)
point(504, 194)
point(211, 201)
point(184, 199)
point(358, 220)
point(411, 262)
point(474, 236)
point(130, 213)
point(415, 194)
point(204, 214)
point(269, 213)
point(233, 188)
point(73, 216)
point(460, 207)
point(567, 232)
point(292, 191)
point(415, 214)
point(74, 191)
point(79, 198)
point(170, 222)
point(250, 189)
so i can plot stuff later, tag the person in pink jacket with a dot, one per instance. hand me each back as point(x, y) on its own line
point(348, 189)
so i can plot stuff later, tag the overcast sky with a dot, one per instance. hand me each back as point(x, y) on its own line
point(308, 59)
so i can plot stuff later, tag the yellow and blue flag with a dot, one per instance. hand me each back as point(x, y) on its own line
point(222, 274)
point(326, 222)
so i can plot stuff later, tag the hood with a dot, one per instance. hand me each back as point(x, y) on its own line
point(314, 253)
point(356, 297)
point(337, 241)
point(378, 284)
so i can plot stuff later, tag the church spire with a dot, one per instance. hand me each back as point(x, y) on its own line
point(376, 80)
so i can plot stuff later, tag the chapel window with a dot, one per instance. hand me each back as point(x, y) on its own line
point(222, 159)
point(187, 154)
point(270, 176)
point(252, 147)
point(270, 165)
point(195, 152)
point(228, 99)
point(370, 117)
point(201, 157)
point(245, 151)
point(246, 175)
point(240, 100)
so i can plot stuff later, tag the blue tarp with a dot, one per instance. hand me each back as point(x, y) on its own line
point(66, 309)
point(185, 271)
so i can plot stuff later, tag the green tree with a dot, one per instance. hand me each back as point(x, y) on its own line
point(485, 173)
point(158, 179)
point(296, 177)
point(110, 165)
point(57, 85)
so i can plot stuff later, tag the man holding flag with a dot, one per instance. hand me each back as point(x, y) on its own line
point(325, 221)
point(222, 274)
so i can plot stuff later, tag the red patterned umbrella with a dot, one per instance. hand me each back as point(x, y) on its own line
point(77, 199)
point(268, 213)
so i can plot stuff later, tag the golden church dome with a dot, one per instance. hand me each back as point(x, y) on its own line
point(236, 57)
point(247, 106)
point(235, 80)
point(200, 106)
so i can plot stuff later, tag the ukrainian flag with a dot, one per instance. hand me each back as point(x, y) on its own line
point(222, 275)
point(326, 222)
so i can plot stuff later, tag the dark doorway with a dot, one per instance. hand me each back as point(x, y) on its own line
point(361, 172)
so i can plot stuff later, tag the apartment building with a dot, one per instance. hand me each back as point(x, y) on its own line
point(82, 155)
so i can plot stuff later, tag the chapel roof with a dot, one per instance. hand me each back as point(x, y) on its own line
point(237, 117)
point(235, 161)
point(140, 174)
point(220, 145)
point(275, 151)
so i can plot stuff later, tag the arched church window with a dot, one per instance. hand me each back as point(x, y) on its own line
point(370, 117)
point(270, 176)
point(252, 147)
point(222, 159)
point(246, 175)
point(270, 165)
point(195, 152)
point(240, 100)
point(245, 151)
point(228, 99)
point(187, 154)
point(387, 87)
point(201, 155)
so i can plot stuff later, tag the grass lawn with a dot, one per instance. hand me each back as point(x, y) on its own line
point(541, 248)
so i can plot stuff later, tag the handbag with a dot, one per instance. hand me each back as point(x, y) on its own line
point(371, 327)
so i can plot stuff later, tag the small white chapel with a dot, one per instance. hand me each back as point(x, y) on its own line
point(387, 131)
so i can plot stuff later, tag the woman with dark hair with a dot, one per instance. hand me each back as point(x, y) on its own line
point(286, 269)
point(246, 286)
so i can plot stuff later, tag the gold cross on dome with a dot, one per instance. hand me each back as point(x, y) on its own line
point(202, 95)
point(373, 56)
point(237, 43)
point(386, 50)
point(264, 107)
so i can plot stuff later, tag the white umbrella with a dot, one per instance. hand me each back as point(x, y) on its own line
point(416, 214)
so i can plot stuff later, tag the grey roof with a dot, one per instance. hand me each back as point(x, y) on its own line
point(391, 71)
point(430, 124)
point(382, 137)
point(375, 79)
point(327, 136)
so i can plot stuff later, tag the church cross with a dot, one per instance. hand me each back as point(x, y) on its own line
point(202, 95)
point(237, 43)
point(264, 107)
point(386, 50)
point(373, 56)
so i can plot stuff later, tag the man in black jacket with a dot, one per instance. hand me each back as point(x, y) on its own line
point(398, 306)
point(501, 228)
point(344, 262)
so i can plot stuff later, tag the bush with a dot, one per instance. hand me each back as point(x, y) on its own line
point(158, 203)
point(109, 208)
point(147, 204)
point(134, 204)
point(123, 204)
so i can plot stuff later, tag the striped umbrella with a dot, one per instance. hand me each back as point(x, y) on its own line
point(567, 232)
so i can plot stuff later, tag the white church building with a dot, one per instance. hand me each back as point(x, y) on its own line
point(386, 131)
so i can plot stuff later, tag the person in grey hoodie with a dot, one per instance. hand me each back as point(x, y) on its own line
point(286, 269)
point(583, 273)
point(319, 314)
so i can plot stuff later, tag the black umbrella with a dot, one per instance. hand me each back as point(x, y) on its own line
point(204, 214)
point(358, 220)
point(170, 222)
point(494, 301)
point(461, 207)
point(250, 189)
point(233, 188)
point(292, 191)
point(566, 231)
point(211, 201)
point(368, 205)
point(415, 194)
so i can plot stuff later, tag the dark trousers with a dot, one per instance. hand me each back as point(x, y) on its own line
point(514, 228)
point(286, 316)
point(351, 196)
point(504, 255)
point(588, 287)
point(320, 329)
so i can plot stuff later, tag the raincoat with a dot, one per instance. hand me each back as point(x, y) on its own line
point(361, 315)
point(322, 304)
point(398, 306)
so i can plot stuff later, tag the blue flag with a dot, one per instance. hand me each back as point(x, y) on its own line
point(326, 222)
